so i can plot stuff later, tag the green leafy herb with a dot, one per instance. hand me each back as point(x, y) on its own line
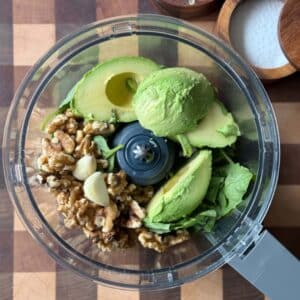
point(216, 183)
point(235, 187)
point(157, 227)
point(228, 186)
point(204, 220)
point(185, 145)
point(106, 152)
point(66, 102)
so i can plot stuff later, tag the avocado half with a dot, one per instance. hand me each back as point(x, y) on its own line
point(216, 130)
point(184, 192)
point(108, 88)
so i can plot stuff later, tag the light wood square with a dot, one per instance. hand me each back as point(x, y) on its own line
point(31, 41)
point(34, 286)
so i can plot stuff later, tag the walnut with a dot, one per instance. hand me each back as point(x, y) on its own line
point(42, 160)
point(161, 243)
point(79, 136)
point(62, 198)
point(116, 183)
point(42, 163)
point(99, 219)
point(177, 238)
point(111, 213)
point(108, 237)
point(86, 146)
point(102, 163)
point(53, 182)
point(61, 161)
point(48, 149)
point(71, 126)
point(55, 144)
point(70, 114)
point(96, 128)
point(132, 222)
point(41, 177)
point(66, 141)
point(136, 215)
point(75, 194)
point(151, 240)
point(143, 194)
point(136, 210)
point(56, 123)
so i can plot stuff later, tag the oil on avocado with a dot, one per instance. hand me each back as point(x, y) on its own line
point(179, 196)
point(108, 88)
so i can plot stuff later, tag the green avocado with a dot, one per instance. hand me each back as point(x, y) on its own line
point(171, 101)
point(216, 130)
point(184, 192)
point(107, 89)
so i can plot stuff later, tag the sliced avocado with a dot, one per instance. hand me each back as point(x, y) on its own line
point(185, 191)
point(217, 130)
point(108, 88)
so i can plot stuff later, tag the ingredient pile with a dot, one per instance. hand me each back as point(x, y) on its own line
point(139, 152)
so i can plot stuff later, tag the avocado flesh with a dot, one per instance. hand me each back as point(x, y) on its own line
point(106, 90)
point(184, 192)
point(208, 133)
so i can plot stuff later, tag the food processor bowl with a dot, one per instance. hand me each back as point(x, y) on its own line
point(169, 42)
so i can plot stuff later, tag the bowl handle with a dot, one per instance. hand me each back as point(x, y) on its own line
point(270, 267)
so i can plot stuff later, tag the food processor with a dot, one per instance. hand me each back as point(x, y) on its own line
point(238, 239)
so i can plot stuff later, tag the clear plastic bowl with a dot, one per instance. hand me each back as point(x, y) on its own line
point(170, 42)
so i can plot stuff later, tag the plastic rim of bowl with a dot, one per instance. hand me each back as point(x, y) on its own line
point(240, 235)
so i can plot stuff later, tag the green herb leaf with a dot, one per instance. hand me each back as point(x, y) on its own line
point(66, 102)
point(235, 187)
point(216, 184)
point(106, 152)
point(204, 220)
point(157, 227)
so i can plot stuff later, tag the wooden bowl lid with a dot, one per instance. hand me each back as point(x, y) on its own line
point(289, 31)
point(188, 8)
point(222, 29)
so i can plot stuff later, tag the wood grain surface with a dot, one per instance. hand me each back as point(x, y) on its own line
point(27, 29)
point(289, 31)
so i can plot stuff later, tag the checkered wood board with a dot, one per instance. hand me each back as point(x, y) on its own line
point(27, 29)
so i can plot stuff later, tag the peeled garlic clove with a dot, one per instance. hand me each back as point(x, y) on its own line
point(85, 167)
point(95, 189)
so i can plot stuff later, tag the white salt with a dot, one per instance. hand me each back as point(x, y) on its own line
point(253, 32)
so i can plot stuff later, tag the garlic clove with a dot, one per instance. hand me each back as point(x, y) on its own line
point(85, 167)
point(95, 189)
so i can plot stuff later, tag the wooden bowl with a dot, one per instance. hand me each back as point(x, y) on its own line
point(289, 31)
point(222, 29)
point(184, 8)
